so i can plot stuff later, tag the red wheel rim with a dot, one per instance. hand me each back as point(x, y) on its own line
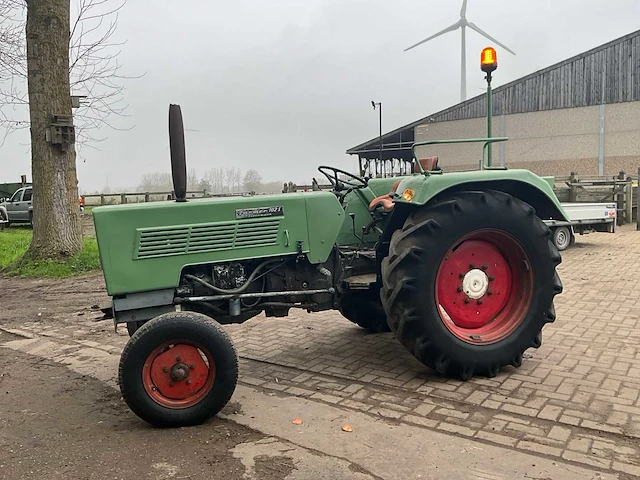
point(178, 373)
point(484, 286)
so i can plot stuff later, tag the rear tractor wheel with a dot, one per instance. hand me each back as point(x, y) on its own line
point(469, 282)
point(178, 369)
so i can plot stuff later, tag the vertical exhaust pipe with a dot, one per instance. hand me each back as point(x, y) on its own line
point(178, 153)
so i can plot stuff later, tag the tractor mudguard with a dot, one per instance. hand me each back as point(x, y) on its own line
point(145, 246)
point(419, 189)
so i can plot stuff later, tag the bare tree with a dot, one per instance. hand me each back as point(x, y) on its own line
point(192, 180)
point(252, 181)
point(215, 179)
point(94, 70)
point(156, 182)
point(204, 185)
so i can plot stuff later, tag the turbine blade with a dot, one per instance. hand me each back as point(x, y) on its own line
point(463, 11)
point(442, 32)
point(473, 26)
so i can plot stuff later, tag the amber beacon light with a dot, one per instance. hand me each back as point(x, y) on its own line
point(488, 60)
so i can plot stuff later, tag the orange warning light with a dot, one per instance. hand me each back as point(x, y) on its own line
point(488, 60)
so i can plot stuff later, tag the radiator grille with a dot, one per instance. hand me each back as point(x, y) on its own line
point(206, 237)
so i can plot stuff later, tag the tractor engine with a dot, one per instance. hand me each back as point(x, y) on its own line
point(232, 292)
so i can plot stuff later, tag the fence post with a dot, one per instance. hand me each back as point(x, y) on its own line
point(619, 200)
point(628, 199)
point(146, 197)
point(637, 202)
point(123, 198)
point(101, 199)
point(573, 189)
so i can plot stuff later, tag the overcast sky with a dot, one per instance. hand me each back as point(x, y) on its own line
point(283, 86)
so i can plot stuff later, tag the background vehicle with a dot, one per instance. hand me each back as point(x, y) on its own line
point(19, 207)
point(3, 217)
point(582, 218)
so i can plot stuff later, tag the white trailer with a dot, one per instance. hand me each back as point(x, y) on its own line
point(583, 218)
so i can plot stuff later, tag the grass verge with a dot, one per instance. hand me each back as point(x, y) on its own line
point(15, 241)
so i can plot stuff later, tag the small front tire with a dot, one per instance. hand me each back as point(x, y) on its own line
point(177, 370)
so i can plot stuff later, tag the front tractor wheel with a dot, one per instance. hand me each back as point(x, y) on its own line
point(469, 282)
point(366, 313)
point(178, 369)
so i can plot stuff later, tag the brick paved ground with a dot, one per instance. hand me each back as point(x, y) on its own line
point(576, 398)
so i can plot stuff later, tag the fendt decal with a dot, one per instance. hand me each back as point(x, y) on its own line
point(259, 212)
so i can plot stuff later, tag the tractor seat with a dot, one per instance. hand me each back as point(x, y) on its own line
point(385, 201)
point(429, 164)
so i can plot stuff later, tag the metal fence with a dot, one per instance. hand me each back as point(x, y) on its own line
point(94, 200)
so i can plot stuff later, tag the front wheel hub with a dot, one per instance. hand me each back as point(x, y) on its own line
point(178, 375)
point(179, 372)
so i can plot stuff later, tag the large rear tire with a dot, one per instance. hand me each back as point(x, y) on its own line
point(469, 282)
point(178, 369)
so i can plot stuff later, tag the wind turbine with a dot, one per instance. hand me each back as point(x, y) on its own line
point(462, 24)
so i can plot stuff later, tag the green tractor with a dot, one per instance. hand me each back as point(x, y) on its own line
point(459, 266)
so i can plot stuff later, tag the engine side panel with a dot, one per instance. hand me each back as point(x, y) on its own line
point(145, 246)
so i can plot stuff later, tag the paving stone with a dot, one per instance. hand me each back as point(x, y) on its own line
point(627, 468)
point(538, 448)
point(586, 459)
point(450, 427)
point(559, 433)
point(550, 412)
point(581, 445)
point(496, 438)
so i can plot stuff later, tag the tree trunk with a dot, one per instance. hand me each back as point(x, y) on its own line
point(57, 232)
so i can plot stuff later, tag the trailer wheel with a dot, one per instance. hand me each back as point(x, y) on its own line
point(178, 369)
point(469, 282)
point(562, 238)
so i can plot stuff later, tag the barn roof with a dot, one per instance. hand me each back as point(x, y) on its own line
point(609, 73)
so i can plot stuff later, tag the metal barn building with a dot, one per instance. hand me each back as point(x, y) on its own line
point(580, 115)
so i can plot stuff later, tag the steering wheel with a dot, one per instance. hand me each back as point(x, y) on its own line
point(338, 184)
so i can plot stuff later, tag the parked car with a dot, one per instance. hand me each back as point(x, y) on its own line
point(19, 208)
point(3, 215)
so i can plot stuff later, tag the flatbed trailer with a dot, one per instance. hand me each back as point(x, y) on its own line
point(583, 218)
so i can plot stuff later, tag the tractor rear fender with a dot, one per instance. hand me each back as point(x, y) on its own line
point(522, 184)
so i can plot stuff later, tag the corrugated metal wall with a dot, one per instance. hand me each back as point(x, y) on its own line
point(576, 82)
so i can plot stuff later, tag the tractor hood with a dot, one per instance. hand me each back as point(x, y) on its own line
point(145, 246)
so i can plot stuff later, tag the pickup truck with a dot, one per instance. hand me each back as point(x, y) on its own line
point(583, 218)
point(19, 208)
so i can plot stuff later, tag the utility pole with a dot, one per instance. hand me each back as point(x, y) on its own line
point(378, 105)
